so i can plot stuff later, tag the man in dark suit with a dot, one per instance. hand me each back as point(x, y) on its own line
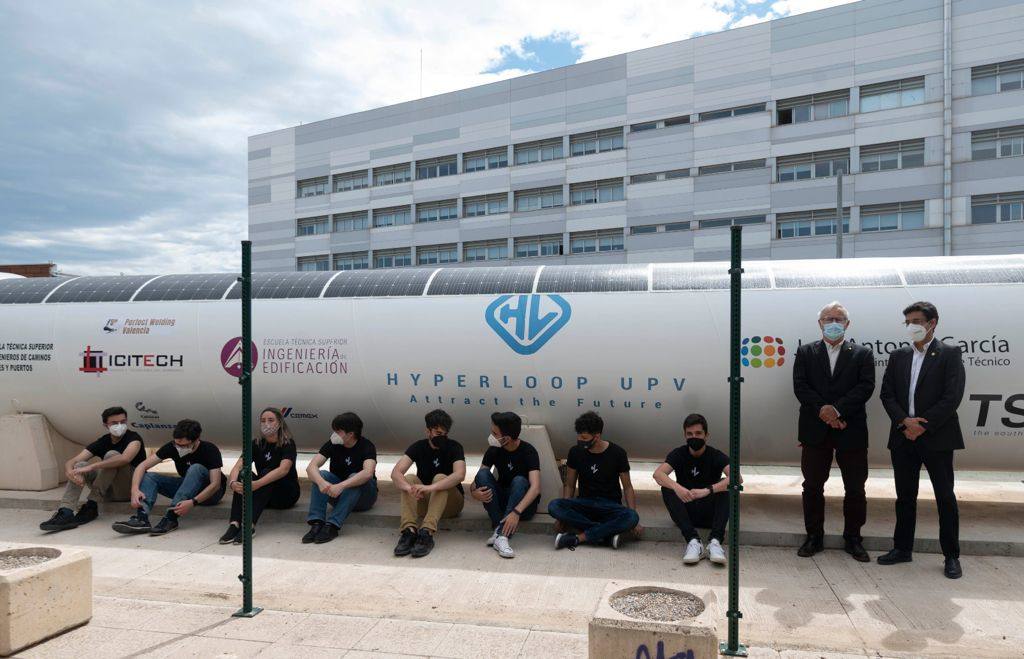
point(922, 387)
point(833, 380)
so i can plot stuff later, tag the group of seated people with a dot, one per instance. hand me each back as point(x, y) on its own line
point(598, 506)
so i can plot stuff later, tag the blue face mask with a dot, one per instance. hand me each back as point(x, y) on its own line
point(833, 331)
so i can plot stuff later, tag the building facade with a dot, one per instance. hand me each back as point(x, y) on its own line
point(650, 156)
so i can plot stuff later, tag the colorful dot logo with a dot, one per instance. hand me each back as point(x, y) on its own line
point(763, 351)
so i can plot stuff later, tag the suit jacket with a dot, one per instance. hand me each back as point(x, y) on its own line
point(940, 388)
point(848, 389)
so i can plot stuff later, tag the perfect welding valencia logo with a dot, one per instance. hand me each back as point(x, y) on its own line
point(526, 322)
point(763, 352)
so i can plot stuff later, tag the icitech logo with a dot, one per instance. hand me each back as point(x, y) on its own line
point(526, 322)
point(231, 356)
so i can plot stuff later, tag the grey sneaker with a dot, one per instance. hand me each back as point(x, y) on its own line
point(567, 541)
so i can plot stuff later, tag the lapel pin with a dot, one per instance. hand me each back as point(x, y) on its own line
point(933, 354)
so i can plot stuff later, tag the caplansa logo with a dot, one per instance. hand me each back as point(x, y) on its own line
point(526, 322)
point(231, 356)
point(762, 351)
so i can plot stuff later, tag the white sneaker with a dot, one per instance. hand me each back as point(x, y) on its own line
point(494, 536)
point(694, 552)
point(716, 552)
point(503, 548)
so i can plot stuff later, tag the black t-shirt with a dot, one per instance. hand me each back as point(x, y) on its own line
point(510, 464)
point(267, 457)
point(599, 472)
point(343, 462)
point(106, 443)
point(430, 461)
point(700, 472)
point(206, 454)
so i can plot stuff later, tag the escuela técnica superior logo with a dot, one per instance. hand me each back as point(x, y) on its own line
point(763, 351)
point(231, 356)
point(526, 322)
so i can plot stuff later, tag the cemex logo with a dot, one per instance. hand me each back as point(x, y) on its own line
point(231, 356)
point(290, 413)
point(526, 322)
point(762, 351)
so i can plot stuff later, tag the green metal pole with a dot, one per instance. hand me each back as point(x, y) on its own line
point(247, 610)
point(733, 647)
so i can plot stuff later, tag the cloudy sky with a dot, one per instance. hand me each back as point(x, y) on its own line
point(123, 125)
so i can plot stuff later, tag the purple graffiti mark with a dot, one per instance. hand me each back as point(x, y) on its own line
point(643, 652)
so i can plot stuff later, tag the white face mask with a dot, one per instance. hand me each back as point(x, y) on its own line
point(183, 450)
point(493, 441)
point(916, 332)
point(118, 429)
point(268, 429)
point(336, 438)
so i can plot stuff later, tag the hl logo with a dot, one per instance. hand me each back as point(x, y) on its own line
point(526, 322)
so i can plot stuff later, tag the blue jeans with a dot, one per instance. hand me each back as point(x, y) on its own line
point(504, 500)
point(178, 489)
point(599, 518)
point(356, 499)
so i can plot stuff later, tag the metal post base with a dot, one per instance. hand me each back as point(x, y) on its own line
point(251, 613)
point(740, 651)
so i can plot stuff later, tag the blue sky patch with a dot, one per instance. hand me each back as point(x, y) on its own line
point(550, 52)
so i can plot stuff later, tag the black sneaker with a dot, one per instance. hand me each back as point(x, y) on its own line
point(230, 535)
point(62, 520)
point(405, 542)
point(314, 528)
point(894, 556)
point(327, 533)
point(88, 512)
point(238, 538)
point(136, 524)
point(424, 543)
point(164, 526)
point(567, 541)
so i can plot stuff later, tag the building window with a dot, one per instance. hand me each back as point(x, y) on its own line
point(391, 217)
point(533, 246)
point(351, 261)
point(538, 198)
point(492, 204)
point(659, 176)
point(436, 167)
point(894, 155)
point(1003, 207)
point(731, 167)
point(485, 250)
point(994, 78)
point(392, 174)
point(585, 242)
point(892, 217)
point(311, 187)
point(542, 151)
point(997, 143)
point(677, 226)
point(437, 254)
point(392, 258)
point(437, 211)
point(661, 123)
point(813, 108)
point(352, 221)
point(596, 192)
point(639, 231)
point(477, 161)
point(730, 221)
point(312, 226)
point(313, 263)
point(351, 181)
point(812, 165)
point(810, 223)
point(732, 112)
point(895, 94)
point(584, 144)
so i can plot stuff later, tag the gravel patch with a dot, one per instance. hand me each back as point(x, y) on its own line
point(662, 605)
point(15, 562)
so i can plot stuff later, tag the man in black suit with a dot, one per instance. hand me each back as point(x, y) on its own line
point(833, 380)
point(922, 387)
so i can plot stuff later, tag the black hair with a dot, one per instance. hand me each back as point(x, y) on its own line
point(113, 411)
point(508, 423)
point(348, 422)
point(438, 418)
point(590, 423)
point(696, 419)
point(188, 429)
point(927, 308)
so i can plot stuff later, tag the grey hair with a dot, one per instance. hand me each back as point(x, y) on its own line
point(834, 305)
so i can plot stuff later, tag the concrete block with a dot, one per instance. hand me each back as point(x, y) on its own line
point(42, 600)
point(34, 453)
point(612, 635)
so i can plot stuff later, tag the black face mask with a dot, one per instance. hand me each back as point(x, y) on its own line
point(585, 445)
point(439, 440)
point(695, 443)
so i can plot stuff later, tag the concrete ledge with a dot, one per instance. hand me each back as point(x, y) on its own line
point(43, 600)
point(34, 453)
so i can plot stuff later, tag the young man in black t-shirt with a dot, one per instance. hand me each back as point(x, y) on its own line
point(349, 483)
point(435, 492)
point(602, 469)
point(199, 482)
point(514, 494)
point(698, 496)
point(119, 451)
